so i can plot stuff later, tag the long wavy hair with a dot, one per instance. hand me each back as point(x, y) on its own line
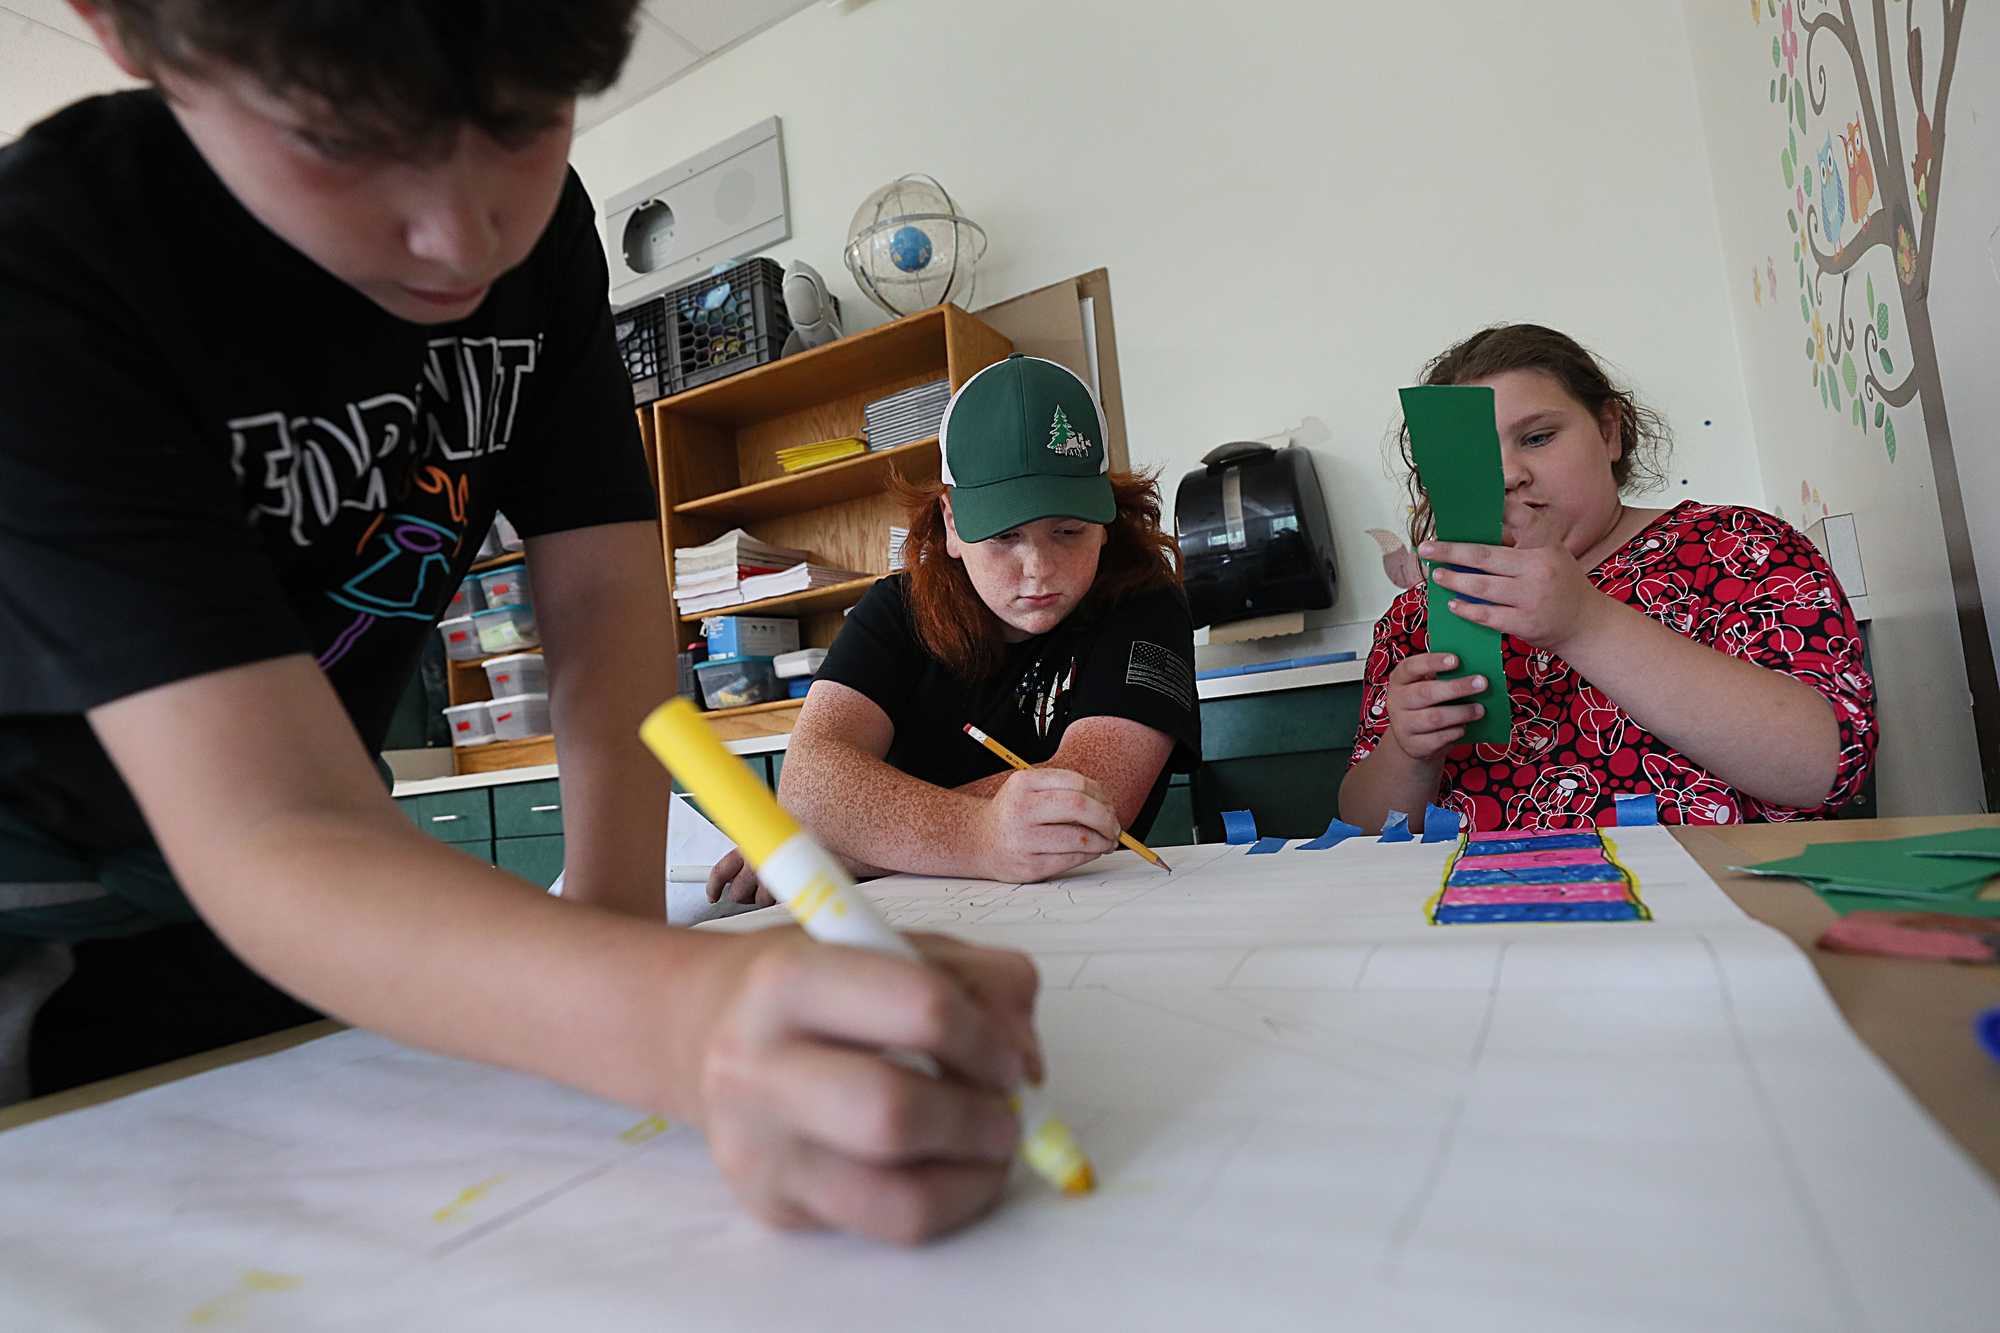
point(961, 631)
point(1503, 347)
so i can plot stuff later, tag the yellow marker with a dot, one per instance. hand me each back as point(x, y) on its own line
point(816, 889)
point(1009, 757)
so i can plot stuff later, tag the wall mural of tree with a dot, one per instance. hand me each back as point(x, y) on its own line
point(1862, 205)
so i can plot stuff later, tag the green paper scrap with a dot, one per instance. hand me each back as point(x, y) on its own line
point(1981, 843)
point(1844, 902)
point(1456, 444)
point(1946, 864)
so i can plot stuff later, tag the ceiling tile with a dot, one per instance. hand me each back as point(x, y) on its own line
point(713, 24)
point(657, 56)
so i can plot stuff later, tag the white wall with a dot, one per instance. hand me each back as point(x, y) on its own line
point(1298, 202)
point(1814, 458)
point(48, 59)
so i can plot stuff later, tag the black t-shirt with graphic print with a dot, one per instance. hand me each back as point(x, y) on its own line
point(1135, 659)
point(206, 446)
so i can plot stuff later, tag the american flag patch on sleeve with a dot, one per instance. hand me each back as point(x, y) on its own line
point(1161, 670)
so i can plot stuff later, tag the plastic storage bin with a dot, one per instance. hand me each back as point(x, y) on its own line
point(801, 663)
point(641, 331)
point(506, 630)
point(519, 716)
point(507, 586)
point(469, 724)
point(461, 639)
point(796, 687)
point(517, 673)
point(750, 636)
point(687, 686)
point(726, 323)
point(734, 682)
point(464, 601)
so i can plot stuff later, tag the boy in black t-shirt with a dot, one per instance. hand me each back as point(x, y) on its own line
point(277, 338)
point(1042, 605)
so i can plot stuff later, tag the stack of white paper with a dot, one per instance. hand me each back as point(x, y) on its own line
point(710, 576)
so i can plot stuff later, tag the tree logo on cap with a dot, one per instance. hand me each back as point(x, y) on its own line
point(1063, 437)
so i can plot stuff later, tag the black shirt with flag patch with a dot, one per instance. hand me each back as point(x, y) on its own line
point(1134, 659)
point(213, 452)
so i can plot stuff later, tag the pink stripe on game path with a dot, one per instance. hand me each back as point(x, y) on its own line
point(1475, 895)
point(1561, 856)
point(1509, 834)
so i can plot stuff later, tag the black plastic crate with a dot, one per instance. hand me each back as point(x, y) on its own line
point(641, 333)
point(726, 323)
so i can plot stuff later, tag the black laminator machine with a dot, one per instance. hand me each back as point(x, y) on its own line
point(1253, 534)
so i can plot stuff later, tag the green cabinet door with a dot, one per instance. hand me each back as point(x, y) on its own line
point(451, 816)
point(537, 859)
point(1173, 826)
point(527, 809)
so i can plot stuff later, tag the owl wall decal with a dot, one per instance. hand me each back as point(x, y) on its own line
point(1832, 197)
point(1860, 170)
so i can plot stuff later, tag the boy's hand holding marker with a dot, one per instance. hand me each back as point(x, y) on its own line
point(813, 1129)
point(807, 1120)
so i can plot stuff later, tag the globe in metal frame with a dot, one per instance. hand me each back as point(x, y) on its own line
point(909, 248)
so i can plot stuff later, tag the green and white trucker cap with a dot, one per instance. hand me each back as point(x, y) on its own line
point(1024, 440)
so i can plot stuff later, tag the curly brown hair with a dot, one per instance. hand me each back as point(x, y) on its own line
point(958, 628)
point(400, 73)
point(1502, 347)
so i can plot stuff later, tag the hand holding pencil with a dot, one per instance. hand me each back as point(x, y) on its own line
point(1021, 765)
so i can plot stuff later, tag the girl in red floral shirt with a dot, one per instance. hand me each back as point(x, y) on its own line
point(1702, 654)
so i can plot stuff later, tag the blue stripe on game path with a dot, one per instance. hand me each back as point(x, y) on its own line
point(1560, 842)
point(1267, 845)
point(1584, 874)
point(1496, 912)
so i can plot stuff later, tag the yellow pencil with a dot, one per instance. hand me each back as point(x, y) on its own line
point(1009, 757)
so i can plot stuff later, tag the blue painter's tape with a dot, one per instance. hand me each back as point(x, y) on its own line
point(1238, 827)
point(1337, 832)
point(1396, 828)
point(1584, 874)
point(1448, 915)
point(1264, 846)
point(1562, 842)
point(1440, 825)
point(1987, 1025)
point(1637, 809)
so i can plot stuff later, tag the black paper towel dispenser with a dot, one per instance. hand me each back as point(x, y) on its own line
point(1253, 534)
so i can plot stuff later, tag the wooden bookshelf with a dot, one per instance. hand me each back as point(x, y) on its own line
point(716, 463)
point(496, 561)
point(848, 479)
point(814, 601)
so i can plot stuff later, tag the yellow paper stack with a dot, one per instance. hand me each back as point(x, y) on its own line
point(802, 456)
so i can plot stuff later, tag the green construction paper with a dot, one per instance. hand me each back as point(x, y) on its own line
point(1902, 866)
point(1982, 843)
point(1456, 445)
point(1844, 902)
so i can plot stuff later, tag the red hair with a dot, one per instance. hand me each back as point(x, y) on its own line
point(961, 631)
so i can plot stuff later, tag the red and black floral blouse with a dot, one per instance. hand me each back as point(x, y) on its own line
point(1735, 579)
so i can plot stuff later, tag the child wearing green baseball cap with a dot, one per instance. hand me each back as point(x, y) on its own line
point(1041, 603)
